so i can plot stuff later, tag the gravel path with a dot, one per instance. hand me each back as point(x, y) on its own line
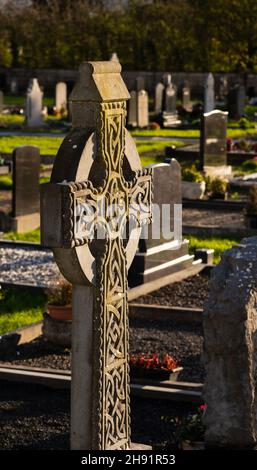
point(34, 417)
point(212, 218)
point(181, 341)
point(192, 292)
point(26, 265)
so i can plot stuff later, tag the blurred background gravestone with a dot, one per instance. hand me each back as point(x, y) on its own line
point(209, 94)
point(160, 255)
point(34, 100)
point(61, 97)
point(213, 146)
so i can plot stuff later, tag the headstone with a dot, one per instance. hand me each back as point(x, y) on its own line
point(1, 101)
point(99, 170)
point(140, 83)
point(159, 92)
point(230, 354)
point(13, 86)
point(142, 109)
point(186, 101)
point(61, 97)
point(223, 88)
point(167, 79)
point(34, 100)
point(132, 111)
point(236, 101)
point(114, 57)
point(25, 200)
point(163, 251)
point(213, 146)
point(170, 98)
point(209, 95)
point(170, 114)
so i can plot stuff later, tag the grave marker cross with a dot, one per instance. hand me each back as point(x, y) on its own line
point(107, 192)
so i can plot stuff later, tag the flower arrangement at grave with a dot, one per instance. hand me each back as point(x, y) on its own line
point(59, 298)
point(191, 429)
point(219, 188)
point(154, 366)
point(192, 175)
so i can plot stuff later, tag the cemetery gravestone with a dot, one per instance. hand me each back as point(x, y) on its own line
point(213, 146)
point(140, 83)
point(34, 104)
point(230, 332)
point(25, 211)
point(142, 109)
point(13, 86)
point(223, 88)
point(1, 101)
point(61, 97)
point(186, 102)
point(114, 57)
point(132, 112)
point(159, 91)
point(97, 167)
point(161, 254)
point(236, 101)
point(170, 115)
point(209, 96)
point(25, 201)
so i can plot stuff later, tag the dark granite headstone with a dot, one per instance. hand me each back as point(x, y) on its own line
point(165, 252)
point(213, 151)
point(236, 101)
point(26, 166)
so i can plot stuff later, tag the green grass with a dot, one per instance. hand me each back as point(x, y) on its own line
point(219, 244)
point(191, 133)
point(7, 120)
point(19, 308)
point(20, 100)
point(5, 182)
point(33, 236)
point(47, 145)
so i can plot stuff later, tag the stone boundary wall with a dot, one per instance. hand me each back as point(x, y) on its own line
point(49, 77)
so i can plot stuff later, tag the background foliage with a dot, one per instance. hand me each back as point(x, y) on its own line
point(179, 35)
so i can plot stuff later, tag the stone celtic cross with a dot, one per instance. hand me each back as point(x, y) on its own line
point(91, 215)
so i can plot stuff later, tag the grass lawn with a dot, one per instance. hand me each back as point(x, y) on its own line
point(148, 149)
point(33, 236)
point(190, 133)
point(20, 100)
point(47, 145)
point(219, 244)
point(19, 308)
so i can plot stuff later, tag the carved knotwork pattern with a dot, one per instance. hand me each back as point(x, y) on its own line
point(113, 399)
point(111, 408)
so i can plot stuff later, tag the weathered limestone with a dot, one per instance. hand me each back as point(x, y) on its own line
point(230, 350)
point(97, 167)
point(34, 101)
point(61, 97)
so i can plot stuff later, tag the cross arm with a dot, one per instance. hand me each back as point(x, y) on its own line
point(140, 196)
point(62, 207)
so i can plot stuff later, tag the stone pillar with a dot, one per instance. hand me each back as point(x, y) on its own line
point(230, 350)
